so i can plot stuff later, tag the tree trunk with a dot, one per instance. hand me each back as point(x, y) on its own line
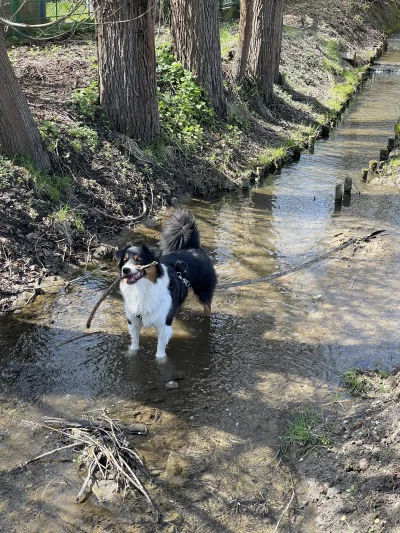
point(19, 135)
point(259, 48)
point(277, 22)
point(127, 66)
point(195, 36)
point(245, 32)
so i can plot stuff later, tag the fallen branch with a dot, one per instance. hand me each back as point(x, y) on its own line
point(51, 452)
point(91, 469)
point(302, 265)
point(123, 219)
point(132, 147)
point(110, 288)
point(51, 422)
point(106, 453)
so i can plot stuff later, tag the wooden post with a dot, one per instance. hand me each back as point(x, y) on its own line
point(373, 166)
point(296, 152)
point(338, 193)
point(384, 154)
point(348, 183)
point(325, 129)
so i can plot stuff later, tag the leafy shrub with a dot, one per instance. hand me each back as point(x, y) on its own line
point(83, 136)
point(181, 102)
point(78, 136)
point(86, 100)
point(7, 172)
point(53, 187)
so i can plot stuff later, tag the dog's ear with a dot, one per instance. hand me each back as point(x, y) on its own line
point(120, 255)
point(154, 252)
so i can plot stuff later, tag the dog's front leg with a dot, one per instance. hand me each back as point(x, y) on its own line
point(134, 325)
point(164, 333)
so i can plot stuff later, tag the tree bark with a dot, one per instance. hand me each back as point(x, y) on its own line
point(277, 23)
point(127, 66)
point(259, 48)
point(196, 40)
point(19, 135)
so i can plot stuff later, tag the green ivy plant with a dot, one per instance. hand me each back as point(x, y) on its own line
point(182, 103)
point(86, 100)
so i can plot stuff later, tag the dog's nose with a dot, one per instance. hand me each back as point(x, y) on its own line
point(126, 270)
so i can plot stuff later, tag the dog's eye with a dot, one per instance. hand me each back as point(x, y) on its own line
point(126, 257)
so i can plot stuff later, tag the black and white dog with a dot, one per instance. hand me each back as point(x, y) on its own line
point(153, 295)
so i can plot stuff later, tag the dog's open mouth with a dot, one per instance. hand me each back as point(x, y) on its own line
point(135, 277)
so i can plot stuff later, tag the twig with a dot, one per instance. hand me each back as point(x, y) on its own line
point(51, 452)
point(123, 219)
point(55, 423)
point(88, 477)
point(110, 288)
point(282, 515)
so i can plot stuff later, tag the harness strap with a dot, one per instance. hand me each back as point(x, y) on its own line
point(185, 281)
point(180, 275)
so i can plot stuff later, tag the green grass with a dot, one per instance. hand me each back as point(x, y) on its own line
point(353, 381)
point(66, 215)
point(271, 155)
point(228, 36)
point(51, 186)
point(343, 91)
point(393, 163)
point(303, 432)
point(59, 9)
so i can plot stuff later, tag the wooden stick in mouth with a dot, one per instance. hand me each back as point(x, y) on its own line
point(110, 288)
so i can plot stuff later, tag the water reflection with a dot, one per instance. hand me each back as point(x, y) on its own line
point(281, 328)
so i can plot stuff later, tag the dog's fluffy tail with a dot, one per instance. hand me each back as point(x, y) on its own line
point(180, 232)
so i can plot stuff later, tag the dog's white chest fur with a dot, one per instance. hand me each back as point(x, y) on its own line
point(151, 301)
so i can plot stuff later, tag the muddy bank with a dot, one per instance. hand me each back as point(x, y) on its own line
point(354, 484)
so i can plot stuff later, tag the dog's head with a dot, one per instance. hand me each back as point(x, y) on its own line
point(132, 257)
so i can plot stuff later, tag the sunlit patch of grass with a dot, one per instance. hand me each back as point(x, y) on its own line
point(229, 36)
point(271, 155)
point(303, 432)
point(394, 163)
point(51, 186)
point(343, 91)
point(353, 381)
point(67, 221)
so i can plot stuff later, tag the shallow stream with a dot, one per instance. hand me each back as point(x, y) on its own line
point(268, 345)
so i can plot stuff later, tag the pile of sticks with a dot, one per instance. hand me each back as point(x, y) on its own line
point(104, 452)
